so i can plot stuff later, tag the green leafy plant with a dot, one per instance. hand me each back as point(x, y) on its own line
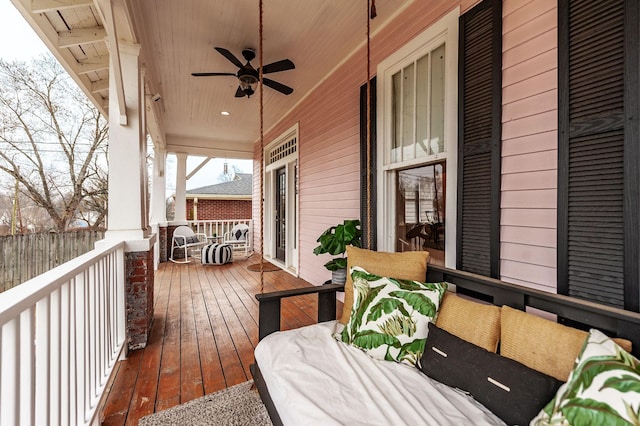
point(335, 241)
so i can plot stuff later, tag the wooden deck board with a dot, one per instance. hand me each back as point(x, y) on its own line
point(204, 331)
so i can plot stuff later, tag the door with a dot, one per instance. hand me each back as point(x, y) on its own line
point(281, 213)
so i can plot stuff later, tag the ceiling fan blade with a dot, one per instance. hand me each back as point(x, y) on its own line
point(208, 74)
point(282, 65)
point(277, 86)
point(240, 93)
point(224, 52)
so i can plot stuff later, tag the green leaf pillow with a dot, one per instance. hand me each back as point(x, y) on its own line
point(602, 389)
point(390, 317)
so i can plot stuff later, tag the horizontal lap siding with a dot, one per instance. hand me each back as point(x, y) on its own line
point(529, 144)
point(329, 134)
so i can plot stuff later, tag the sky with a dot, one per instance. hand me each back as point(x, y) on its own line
point(18, 41)
point(206, 176)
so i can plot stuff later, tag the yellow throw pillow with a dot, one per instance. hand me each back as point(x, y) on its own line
point(474, 322)
point(541, 344)
point(408, 265)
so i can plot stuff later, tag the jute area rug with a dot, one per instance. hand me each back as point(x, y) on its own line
point(266, 267)
point(238, 405)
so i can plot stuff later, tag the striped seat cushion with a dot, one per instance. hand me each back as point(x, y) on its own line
point(217, 254)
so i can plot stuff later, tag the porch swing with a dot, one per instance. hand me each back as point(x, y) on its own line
point(269, 315)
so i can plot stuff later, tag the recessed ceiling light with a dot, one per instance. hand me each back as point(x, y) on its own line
point(224, 113)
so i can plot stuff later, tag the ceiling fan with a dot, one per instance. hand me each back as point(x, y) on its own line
point(248, 76)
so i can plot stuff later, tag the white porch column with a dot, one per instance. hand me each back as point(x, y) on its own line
point(181, 189)
point(128, 209)
point(158, 187)
point(127, 190)
point(158, 214)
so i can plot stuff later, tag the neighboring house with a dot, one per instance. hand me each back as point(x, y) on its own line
point(222, 201)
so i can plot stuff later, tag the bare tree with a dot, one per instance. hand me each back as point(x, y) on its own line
point(53, 141)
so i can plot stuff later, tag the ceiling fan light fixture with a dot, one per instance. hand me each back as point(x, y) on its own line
point(247, 82)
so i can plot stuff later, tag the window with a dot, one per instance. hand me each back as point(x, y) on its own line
point(421, 209)
point(417, 144)
point(418, 108)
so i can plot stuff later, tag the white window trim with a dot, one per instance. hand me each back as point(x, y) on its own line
point(292, 262)
point(445, 30)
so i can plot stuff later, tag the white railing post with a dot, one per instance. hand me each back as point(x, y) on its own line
point(219, 228)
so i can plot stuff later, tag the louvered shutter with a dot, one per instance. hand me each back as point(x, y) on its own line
point(480, 68)
point(364, 205)
point(593, 180)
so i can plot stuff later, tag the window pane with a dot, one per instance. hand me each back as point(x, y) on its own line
point(422, 107)
point(437, 100)
point(396, 122)
point(408, 112)
point(420, 210)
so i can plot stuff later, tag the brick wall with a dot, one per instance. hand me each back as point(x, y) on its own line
point(162, 242)
point(220, 209)
point(139, 289)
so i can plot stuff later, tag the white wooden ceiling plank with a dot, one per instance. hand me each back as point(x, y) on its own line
point(84, 17)
point(99, 86)
point(42, 6)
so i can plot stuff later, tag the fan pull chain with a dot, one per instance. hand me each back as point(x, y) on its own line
point(261, 161)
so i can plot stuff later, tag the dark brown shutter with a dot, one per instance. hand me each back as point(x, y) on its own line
point(363, 165)
point(479, 131)
point(595, 121)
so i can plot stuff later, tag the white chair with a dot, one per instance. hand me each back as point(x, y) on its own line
point(239, 238)
point(184, 239)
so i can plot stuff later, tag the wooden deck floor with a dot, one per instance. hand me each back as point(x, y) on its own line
point(202, 339)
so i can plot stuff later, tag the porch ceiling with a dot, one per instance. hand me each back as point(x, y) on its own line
point(177, 38)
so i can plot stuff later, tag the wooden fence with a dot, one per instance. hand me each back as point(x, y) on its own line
point(23, 257)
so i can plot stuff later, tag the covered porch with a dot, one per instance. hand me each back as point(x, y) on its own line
point(498, 166)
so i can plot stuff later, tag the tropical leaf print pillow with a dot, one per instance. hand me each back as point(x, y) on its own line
point(390, 317)
point(602, 389)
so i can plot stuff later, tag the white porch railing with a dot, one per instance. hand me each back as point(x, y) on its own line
point(217, 228)
point(61, 334)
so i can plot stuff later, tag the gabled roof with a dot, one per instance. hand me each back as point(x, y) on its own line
point(238, 187)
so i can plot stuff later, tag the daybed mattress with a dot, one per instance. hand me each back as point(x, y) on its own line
point(315, 380)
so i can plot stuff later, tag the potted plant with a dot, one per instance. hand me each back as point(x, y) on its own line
point(335, 241)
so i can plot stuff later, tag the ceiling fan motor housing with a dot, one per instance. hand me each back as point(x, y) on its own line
point(249, 54)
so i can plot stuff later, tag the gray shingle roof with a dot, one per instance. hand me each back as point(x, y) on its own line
point(241, 185)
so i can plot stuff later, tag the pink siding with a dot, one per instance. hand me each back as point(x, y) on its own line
point(529, 154)
point(329, 146)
